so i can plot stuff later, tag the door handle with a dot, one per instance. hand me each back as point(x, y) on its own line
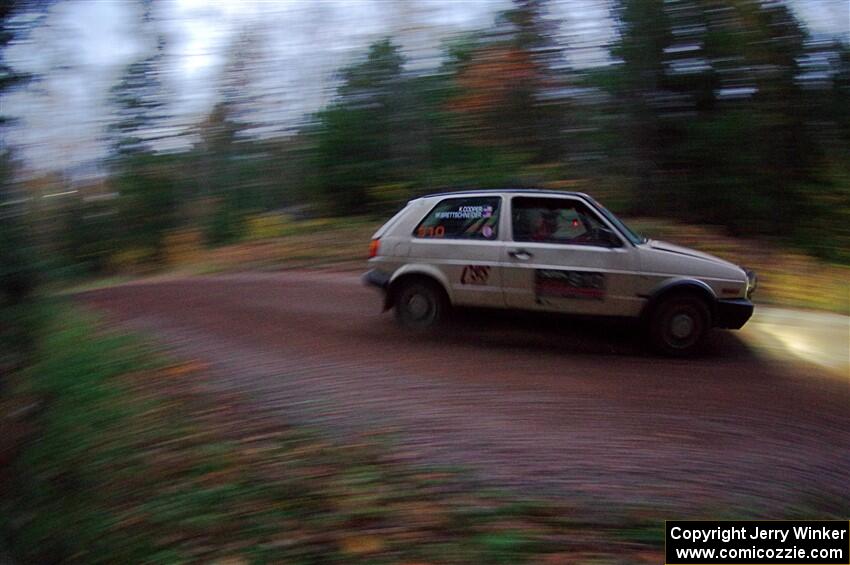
point(521, 254)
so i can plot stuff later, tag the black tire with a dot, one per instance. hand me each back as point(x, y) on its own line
point(679, 325)
point(419, 304)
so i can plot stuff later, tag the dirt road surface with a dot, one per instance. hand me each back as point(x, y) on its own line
point(549, 407)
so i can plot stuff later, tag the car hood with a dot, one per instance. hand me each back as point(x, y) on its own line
point(670, 248)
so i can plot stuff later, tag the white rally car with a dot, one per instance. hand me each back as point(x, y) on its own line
point(555, 252)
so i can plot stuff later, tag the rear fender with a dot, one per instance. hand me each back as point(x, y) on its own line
point(416, 269)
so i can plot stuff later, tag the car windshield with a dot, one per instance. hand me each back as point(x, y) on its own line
point(632, 235)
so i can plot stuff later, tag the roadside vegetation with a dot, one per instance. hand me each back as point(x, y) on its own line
point(112, 451)
point(786, 277)
point(123, 456)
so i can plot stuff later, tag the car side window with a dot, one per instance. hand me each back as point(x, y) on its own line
point(462, 218)
point(557, 220)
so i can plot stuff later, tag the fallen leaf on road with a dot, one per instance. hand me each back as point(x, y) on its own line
point(361, 545)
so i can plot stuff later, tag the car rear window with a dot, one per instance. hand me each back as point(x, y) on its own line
point(462, 218)
point(391, 222)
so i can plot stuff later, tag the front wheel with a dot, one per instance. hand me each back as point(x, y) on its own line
point(678, 326)
point(420, 305)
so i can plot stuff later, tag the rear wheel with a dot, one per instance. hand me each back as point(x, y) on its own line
point(678, 325)
point(419, 304)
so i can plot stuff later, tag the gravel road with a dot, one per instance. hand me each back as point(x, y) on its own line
point(552, 407)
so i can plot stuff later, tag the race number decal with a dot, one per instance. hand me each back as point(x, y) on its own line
point(475, 274)
point(431, 231)
point(550, 283)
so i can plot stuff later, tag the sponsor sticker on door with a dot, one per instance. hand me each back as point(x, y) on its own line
point(555, 283)
point(475, 274)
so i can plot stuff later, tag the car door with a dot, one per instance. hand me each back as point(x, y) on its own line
point(562, 256)
point(460, 236)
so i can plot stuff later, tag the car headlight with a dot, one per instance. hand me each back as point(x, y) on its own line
point(752, 281)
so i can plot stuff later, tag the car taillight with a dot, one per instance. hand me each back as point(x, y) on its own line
point(374, 246)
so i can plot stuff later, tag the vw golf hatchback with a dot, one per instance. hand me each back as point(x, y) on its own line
point(554, 252)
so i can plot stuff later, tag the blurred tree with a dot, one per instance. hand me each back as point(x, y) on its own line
point(720, 126)
point(644, 31)
point(544, 105)
point(758, 90)
point(221, 186)
point(355, 133)
point(18, 265)
point(140, 98)
point(825, 92)
point(243, 86)
point(149, 182)
point(511, 85)
point(90, 235)
point(496, 97)
point(239, 163)
point(17, 270)
point(147, 206)
point(140, 103)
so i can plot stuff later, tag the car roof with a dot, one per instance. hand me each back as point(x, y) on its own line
point(540, 191)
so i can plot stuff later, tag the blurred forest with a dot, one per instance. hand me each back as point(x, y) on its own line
point(723, 120)
point(722, 112)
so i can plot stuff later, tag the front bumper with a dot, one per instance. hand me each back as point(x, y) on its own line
point(732, 314)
